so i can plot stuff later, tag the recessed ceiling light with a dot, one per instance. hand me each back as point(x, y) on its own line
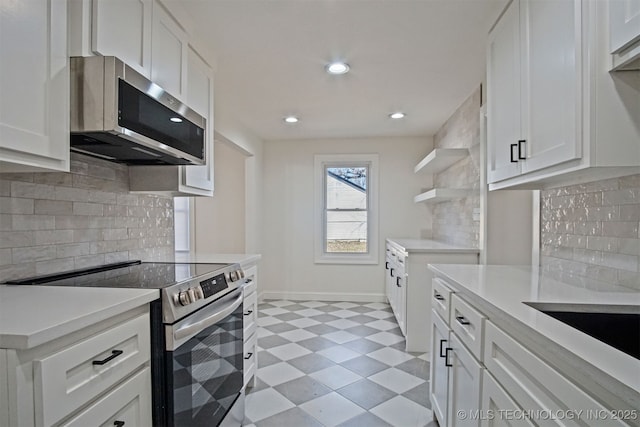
point(337, 67)
point(291, 119)
point(176, 119)
point(398, 115)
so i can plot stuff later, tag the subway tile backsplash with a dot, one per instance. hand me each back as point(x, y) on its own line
point(54, 221)
point(593, 230)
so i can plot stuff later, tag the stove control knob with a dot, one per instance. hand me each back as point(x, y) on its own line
point(198, 293)
point(227, 276)
point(183, 298)
point(241, 273)
point(234, 275)
point(192, 294)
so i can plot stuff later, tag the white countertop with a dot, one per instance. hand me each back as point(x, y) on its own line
point(34, 315)
point(211, 258)
point(430, 246)
point(502, 290)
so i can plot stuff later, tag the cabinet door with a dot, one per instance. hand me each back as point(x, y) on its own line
point(464, 385)
point(624, 23)
point(503, 96)
point(200, 98)
point(439, 379)
point(169, 53)
point(122, 28)
point(496, 403)
point(34, 85)
point(401, 283)
point(551, 82)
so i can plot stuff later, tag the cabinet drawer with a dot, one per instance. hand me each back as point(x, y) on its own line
point(68, 379)
point(250, 363)
point(468, 324)
point(497, 405)
point(129, 404)
point(250, 315)
point(441, 298)
point(534, 385)
point(251, 273)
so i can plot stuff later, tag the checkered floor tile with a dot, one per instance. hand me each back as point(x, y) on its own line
point(336, 364)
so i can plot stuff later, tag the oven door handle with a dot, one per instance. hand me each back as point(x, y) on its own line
point(182, 334)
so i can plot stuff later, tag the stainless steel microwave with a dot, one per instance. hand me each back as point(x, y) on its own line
point(117, 114)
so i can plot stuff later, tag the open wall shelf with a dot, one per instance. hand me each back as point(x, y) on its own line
point(436, 195)
point(440, 159)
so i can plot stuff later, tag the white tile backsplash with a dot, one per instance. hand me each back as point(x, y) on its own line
point(55, 221)
point(605, 213)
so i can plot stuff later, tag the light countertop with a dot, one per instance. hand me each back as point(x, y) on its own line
point(501, 292)
point(34, 315)
point(430, 246)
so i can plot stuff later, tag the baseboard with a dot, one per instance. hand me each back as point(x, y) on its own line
point(320, 296)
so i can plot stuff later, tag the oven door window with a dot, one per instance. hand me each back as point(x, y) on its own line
point(206, 372)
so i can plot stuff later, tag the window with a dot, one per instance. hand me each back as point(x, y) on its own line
point(346, 209)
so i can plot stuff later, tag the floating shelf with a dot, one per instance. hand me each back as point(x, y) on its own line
point(440, 195)
point(440, 159)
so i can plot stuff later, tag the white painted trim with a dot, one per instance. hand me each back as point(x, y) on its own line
point(372, 161)
point(535, 228)
point(321, 296)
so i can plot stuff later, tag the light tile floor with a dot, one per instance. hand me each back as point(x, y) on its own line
point(336, 364)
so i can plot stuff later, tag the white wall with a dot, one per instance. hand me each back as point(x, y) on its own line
point(219, 220)
point(287, 266)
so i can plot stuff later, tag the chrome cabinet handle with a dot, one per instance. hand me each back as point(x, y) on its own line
point(114, 354)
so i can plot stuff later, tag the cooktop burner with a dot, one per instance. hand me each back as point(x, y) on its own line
point(131, 274)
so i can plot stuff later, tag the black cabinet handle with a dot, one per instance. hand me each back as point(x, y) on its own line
point(392, 273)
point(114, 354)
point(462, 320)
point(442, 354)
point(118, 423)
point(248, 312)
point(446, 357)
point(248, 281)
point(512, 146)
point(248, 356)
point(386, 265)
point(398, 282)
point(521, 150)
point(439, 297)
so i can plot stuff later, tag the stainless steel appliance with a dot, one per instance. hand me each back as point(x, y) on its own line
point(196, 335)
point(117, 114)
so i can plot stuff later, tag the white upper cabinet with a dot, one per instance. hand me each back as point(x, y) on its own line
point(624, 19)
point(169, 53)
point(533, 80)
point(200, 98)
point(122, 28)
point(34, 86)
point(555, 115)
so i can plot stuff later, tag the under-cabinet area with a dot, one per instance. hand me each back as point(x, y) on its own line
point(498, 357)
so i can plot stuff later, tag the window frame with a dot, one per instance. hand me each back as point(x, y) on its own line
point(321, 163)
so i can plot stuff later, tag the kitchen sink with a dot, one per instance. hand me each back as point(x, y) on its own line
point(616, 326)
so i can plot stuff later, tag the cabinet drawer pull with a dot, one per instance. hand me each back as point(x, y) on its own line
point(442, 354)
point(398, 282)
point(248, 356)
point(446, 357)
point(248, 312)
point(118, 423)
point(114, 354)
point(520, 149)
point(511, 147)
point(248, 281)
point(439, 297)
point(462, 320)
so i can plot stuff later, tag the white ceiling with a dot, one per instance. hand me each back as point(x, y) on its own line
point(424, 57)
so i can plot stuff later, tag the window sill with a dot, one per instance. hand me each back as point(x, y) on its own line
point(347, 259)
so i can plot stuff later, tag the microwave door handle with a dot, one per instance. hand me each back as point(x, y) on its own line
point(183, 334)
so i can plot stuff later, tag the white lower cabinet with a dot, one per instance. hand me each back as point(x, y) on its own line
point(499, 408)
point(250, 304)
point(481, 375)
point(129, 404)
point(97, 376)
point(465, 380)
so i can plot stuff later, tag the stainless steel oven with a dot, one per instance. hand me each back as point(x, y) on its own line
point(203, 366)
